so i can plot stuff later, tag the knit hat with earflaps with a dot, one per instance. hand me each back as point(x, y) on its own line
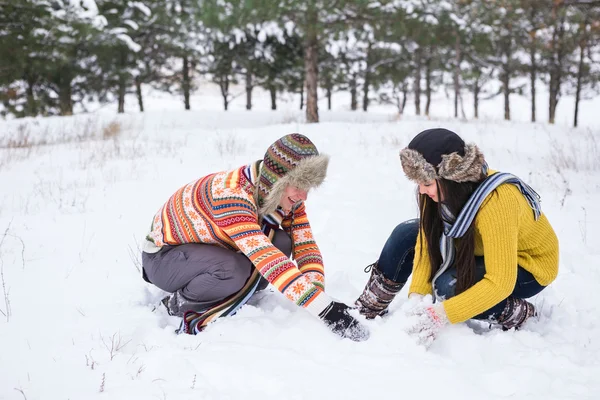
point(292, 160)
point(440, 153)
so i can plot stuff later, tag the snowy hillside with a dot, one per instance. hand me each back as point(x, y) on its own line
point(78, 320)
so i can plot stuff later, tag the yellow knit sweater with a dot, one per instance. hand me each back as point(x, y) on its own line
point(507, 236)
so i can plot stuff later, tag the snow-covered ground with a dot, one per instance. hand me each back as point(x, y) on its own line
point(79, 323)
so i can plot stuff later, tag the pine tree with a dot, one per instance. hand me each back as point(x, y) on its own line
point(316, 20)
point(188, 42)
point(116, 48)
point(558, 53)
point(20, 73)
point(391, 80)
point(282, 67)
point(535, 12)
point(51, 62)
point(587, 75)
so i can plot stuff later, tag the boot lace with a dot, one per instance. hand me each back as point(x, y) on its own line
point(369, 267)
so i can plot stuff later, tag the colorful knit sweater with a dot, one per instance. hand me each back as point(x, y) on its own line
point(220, 209)
point(507, 236)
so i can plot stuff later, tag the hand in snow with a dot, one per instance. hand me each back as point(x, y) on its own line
point(337, 318)
point(416, 301)
point(430, 321)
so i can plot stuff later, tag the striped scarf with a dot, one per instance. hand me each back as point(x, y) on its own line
point(457, 227)
point(194, 322)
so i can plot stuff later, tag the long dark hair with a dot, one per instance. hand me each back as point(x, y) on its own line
point(455, 196)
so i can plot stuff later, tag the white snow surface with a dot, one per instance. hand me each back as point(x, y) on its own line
point(80, 323)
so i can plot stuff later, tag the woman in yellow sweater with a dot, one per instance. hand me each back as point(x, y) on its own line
point(481, 245)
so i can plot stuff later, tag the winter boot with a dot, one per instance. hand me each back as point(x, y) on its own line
point(378, 293)
point(177, 304)
point(515, 313)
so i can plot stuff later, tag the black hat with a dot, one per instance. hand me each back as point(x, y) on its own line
point(440, 153)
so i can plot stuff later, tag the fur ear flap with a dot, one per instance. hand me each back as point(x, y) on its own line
point(415, 167)
point(453, 167)
point(308, 174)
point(468, 168)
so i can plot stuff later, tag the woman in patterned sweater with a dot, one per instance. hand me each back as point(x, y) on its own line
point(481, 245)
point(221, 238)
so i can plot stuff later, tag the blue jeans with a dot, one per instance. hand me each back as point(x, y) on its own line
point(525, 287)
point(396, 258)
point(396, 263)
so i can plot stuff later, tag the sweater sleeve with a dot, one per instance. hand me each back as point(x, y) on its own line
point(304, 248)
point(498, 225)
point(241, 226)
point(421, 273)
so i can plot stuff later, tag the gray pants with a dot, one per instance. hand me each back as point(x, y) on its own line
point(203, 274)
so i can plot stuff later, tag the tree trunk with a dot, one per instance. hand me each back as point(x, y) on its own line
point(457, 60)
point(367, 80)
point(418, 81)
point(301, 97)
point(328, 97)
point(353, 90)
point(122, 89)
point(404, 95)
point(533, 75)
point(557, 47)
point(138, 91)
point(66, 103)
point(273, 92)
point(578, 89)
point(505, 78)
point(476, 90)
point(553, 97)
point(366, 93)
point(582, 47)
point(31, 105)
point(428, 85)
point(64, 93)
point(224, 85)
point(311, 64)
point(505, 75)
point(186, 82)
point(249, 88)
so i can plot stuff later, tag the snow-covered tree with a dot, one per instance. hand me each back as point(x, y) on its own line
point(49, 63)
point(116, 47)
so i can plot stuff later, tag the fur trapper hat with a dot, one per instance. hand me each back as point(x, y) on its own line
point(440, 153)
point(293, 160)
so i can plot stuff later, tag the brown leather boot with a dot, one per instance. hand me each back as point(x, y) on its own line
point(378, 293)
point(515, 313)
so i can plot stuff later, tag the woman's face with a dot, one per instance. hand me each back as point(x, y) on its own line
point(291, 196)
point(430, 189)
